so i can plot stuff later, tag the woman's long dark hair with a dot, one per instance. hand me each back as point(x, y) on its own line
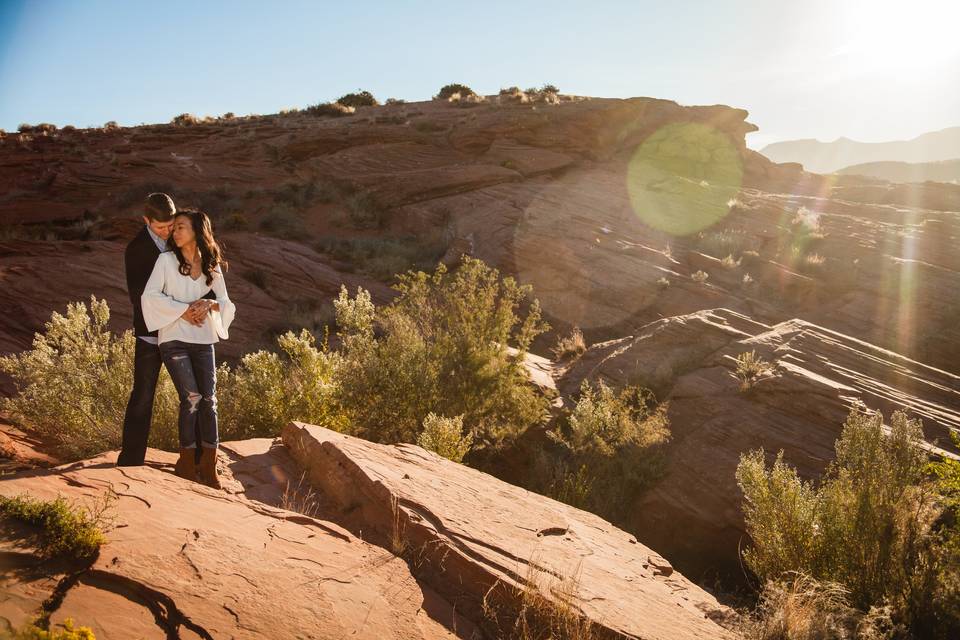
point(211, 256)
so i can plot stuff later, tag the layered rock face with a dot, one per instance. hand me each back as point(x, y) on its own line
point(185, 561)
point(609, 208)
point(693, 515)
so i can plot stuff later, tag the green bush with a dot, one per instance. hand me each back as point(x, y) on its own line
point(73, 385)
point(441, 347)
point(65, 529)
point(267, 390)
point(609, 448)
point(871, 525)
point(358, 99)
point(448, 90)
point(445, 437)
point(283, 221)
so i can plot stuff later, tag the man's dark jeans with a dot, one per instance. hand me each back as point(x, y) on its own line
point(136, 421)
point(193, 370)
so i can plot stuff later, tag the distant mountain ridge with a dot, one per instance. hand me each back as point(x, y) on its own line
point(943, 171)
point(828, 157)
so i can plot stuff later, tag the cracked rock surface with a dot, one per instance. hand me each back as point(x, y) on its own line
point(185, 561)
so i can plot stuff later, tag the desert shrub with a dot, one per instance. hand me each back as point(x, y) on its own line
point(25, 127)
point(729, 262)
point(445, 437)
point(385, 257)
point(663, 282)
point(609, 448)
point(358, 99)
point(393, 101)
point(570, 345)
point(448, 90)
point(283, 221)
point(700, 276)
point(229, 115)
point(871, 525)
point(441, 346)
point(750, 368)
point(267, 390)
point(32, 631)
point(185, 120)
point(364, 212)
point(330, 109)
point(64, 528)
point(799, 607)
point(111, 125)
point(73, 385)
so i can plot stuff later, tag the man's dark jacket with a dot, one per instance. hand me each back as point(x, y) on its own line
point(138, 259)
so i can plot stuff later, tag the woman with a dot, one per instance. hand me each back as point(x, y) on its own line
point(188, 326)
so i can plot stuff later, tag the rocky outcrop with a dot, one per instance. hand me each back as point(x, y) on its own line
point(185, 561)
point(387, 541)
point(477, 539)
point(693, 515)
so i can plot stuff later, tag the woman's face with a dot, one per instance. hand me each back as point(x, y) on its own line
point(183, 233)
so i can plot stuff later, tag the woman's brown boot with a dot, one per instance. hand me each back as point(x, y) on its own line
point(208, 468)
point(186, 467)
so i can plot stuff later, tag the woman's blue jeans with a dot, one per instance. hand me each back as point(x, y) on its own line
point(193, 370)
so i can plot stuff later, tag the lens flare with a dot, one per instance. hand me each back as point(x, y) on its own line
point(682, 178)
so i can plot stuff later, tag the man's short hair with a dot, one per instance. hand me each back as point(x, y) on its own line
point(160, 207)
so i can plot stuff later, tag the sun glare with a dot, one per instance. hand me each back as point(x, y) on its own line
point(900, 35)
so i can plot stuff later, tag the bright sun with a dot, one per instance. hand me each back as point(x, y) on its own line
point(897, 34)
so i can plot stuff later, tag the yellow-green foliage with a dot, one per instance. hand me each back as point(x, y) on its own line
point(65, 529)
point(73, 385)
point(442, 348)
point(69, 632)
point(445, 437)
point(609, 441)
point(268, 390)
point(750, 368)
point(571, 345)
point(870, 525)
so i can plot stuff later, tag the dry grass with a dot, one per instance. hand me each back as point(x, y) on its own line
point(572, 345)
point(750, 368)
point(301, 498)
point(700, 276)
point(729, 262)
point(540, 608)
point(398, 539)
point(801, 608)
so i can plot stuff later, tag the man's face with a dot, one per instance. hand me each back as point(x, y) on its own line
point(162, 229)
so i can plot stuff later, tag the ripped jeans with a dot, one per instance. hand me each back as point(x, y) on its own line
point(193, 370)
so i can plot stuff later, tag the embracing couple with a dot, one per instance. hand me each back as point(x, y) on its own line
point(180, 310)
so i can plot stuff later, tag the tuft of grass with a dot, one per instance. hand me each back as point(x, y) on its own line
point(302, 498)
point(66, 530)
point(398, 540)
point(570, 345)
point(525, 612)
point(364, 212)
point(750, 368)
point(729, 262)
point(283, 222)
point(799, 607)
point(663, 282)
point(700, 276)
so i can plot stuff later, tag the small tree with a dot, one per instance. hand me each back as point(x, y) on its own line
point(359, 99)
point(448, 90)
point(445, 437)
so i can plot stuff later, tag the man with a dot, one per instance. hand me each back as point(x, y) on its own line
point(139, 259)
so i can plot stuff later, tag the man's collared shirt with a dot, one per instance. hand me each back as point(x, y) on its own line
point(162, 245)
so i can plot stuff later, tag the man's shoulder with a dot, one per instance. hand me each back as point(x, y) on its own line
point(137, 242)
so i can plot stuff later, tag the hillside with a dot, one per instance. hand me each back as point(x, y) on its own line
point(828, 157)
point(943, 171)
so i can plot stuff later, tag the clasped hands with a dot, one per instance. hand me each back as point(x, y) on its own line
point(196, 313)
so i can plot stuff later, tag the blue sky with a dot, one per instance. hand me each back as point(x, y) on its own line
point(866, 69)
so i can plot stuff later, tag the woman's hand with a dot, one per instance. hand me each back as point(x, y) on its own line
point(197, 312)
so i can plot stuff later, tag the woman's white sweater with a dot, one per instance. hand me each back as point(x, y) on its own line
point(168, 294)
